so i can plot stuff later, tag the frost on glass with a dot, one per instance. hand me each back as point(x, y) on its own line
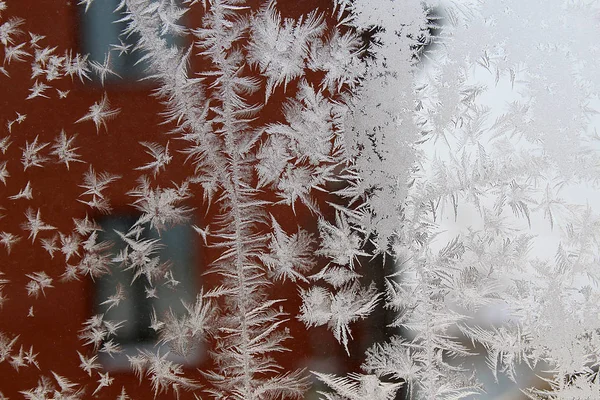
point(306, 151)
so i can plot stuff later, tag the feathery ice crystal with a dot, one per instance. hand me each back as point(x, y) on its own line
point(452, 139)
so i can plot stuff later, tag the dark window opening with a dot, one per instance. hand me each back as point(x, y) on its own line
point(142, 299)
point(101, 37)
